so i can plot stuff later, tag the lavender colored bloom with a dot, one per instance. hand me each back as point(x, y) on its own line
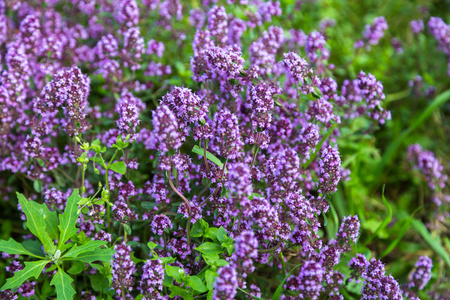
point(160, 223)
point(322, 110)
point(297, 68)
point(426, 163)
point(128, 107)
point(30, 32)
point(268, 9)
point(261, 101)
point(372, 91)
point(348, 233)
point(298, 38)
point(329, 256)
point(127, 13)
point(245, 251)
point(107, 47)
point(218, 24)
point(441, 32)
point(133, 48)
point(235, 31)
point(315, 47)
point(197, 17)
point(239, 180)
point(122, 212)
point(227, 140)
point(417, 26)
point(379, 286)
point(329, 170)
point(186, 105)
point(358, 265)
point(422, 274)
point(310, 280)
point(122, 269)
point(397, 45)
point(373, 33)
point(166, 134)
point(68, 89)
point(226, 284)
point(154, 47)
point(171, 8)
point(151, 282)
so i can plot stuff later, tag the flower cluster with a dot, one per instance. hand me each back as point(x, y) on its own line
point(373, 33)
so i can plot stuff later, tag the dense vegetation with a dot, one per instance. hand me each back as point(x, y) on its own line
point(250, 149)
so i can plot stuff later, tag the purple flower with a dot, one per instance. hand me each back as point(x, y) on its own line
point(186, 105)
point(236, 29)
point(218, 24)
point(422, 274)
point(261, 102)
point(239, 180)
point(358, 265)
point(373, 33)
point(417, 26)
point(245, 251)
point(107, 47)
point(122, 269)
point(297, 68)
point(315, 47)
point(127, 13)
point(329, 170)
point(379, 286)
point(227, 140)
point(151, 282)
point(310, 280)
point(154, 47)
point(348, 233)
point(133, 48)
point(30, 32)
point(165, 130)
point(160, 223)
point(226, 284)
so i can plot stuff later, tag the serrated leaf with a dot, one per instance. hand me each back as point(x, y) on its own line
point(88, 247)
point(13, 247)
point(63, 285)
point(68, 219)
point(209, 248)
point(31, 269)
point(96, 255)
point(118, 167)
point(36, 223)
point(197, 284)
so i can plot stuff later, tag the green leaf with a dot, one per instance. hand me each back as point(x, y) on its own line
point(98, 254)
point(386, 220)
point(118, 167)
point(37, 221)
point(13, 247)
point(68, 219)
point(88, 247)
point(98, 282)
point(221, 234)
point(209, 248)
point(211, 233)
point(63, 284)
point(168, 281)
point(279, 290)
point(177, 291)
point(197, 284)
point(37, 185)
point(151, 245)
point(76, 268)
point(31, 269)
point(210, 277)
point(211, 157)
point(175, 272)
point(434, 243)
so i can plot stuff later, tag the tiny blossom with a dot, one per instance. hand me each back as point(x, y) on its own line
point(246, 250)
point(186, 105)
point(107, 47)
point(226, 63)
point(397, 45)
point(133, 48)
point(151, 282)
point(422, 274)
point(315, 47)
point(373, 33)
point(417, 26)
point(239, 180)
point(261, 101)
point(236, 28)
point(160, 223)
point(441, 32)
point(30, 32)
point(268, 9)
point(298, 69)
point(165, 129)
point(358, 265)
point(123, 269)
point(348, 233)
point(310, 280)
point(197, 17)
point(226, 134)
point(128, 13)
point(154, 47)
point(218, 24)
point(122, 212)
point(226, 284)
point(377, 285)
point(426, 162)
point(329, 170)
